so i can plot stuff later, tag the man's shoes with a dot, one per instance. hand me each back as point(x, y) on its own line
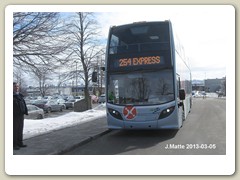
point(16, 147)
point(22, 145)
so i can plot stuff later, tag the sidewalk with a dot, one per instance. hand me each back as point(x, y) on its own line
point(63, 140)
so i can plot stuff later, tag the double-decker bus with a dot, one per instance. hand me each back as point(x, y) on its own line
point(148, 83)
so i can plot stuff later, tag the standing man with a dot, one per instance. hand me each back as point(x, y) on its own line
point(19, 109)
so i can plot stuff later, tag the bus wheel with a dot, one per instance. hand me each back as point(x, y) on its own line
point(183, 114)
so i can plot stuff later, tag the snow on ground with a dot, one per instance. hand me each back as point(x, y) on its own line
point(37, 127)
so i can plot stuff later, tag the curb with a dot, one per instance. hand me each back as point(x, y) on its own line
point(85, 141)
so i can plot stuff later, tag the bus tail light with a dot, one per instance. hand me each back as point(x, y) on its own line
point(115, 113)
point(166, 112)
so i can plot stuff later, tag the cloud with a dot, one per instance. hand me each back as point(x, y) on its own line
point(206, 32)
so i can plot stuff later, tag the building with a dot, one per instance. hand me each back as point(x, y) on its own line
point(198, 85)
point(215, 85)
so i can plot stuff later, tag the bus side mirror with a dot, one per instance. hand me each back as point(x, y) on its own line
point(94, 77)
point(182, 94)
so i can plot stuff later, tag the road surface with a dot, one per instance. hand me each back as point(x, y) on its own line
point(203, 133)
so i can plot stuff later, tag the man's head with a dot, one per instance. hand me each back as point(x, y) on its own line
point(15, 87)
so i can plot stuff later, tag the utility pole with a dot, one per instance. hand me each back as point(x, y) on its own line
point(98, 72)
point(76, 79)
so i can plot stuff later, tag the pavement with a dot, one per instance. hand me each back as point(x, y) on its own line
point(60, 141)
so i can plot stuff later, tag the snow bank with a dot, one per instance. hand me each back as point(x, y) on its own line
point(36, 127)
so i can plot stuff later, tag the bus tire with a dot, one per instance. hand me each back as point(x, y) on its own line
point(183, 114)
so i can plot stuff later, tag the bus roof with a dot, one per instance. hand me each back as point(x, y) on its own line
point(140, 23)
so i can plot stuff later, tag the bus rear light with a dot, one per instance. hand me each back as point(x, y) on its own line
point(115, 113)
point(166, 112)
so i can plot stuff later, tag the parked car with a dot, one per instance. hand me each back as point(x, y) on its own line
point(70, 103)
point(47, 97)
point(102, 98)
point(69, 97)
point(78, 98)
point(49, 106)
point(34, 112)
point(61, 102)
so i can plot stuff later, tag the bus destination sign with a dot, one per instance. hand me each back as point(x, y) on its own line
point(139, 61)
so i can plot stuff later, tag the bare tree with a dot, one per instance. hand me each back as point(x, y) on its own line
point(41, 74)
point(37, 39)
point(18, 76)
point(85, 45)
point(39, 42)
point(64, 77)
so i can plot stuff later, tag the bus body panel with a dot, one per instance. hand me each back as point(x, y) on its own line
point(170, 122)
point(147, 116)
